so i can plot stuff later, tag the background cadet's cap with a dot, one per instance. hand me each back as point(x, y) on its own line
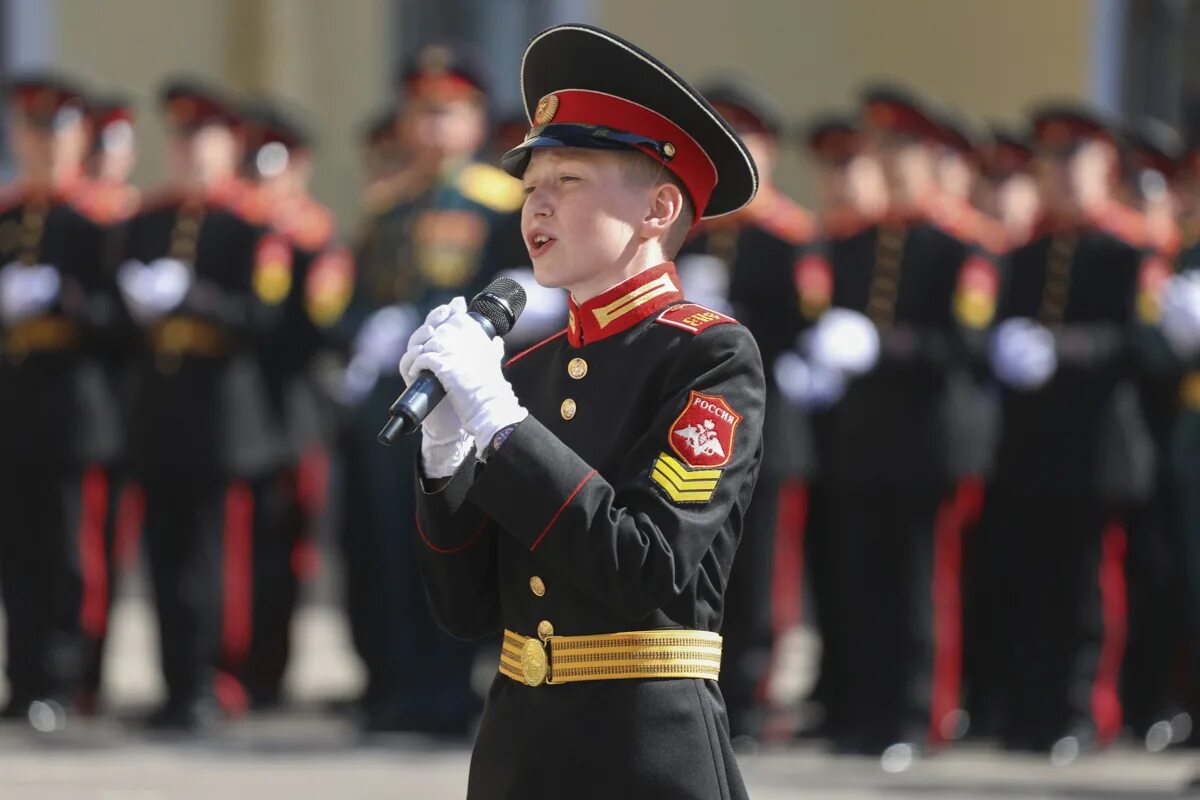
point(266, 122)
point(190, 103)
point(40, 96)
point(108, 109)
point(442, 72)
point(956, 133)
point(892, 110)
point(834, 137)
point(586, 87)
point(1154, 145)
point(1059, 125)
point(744, 105)
point(1005, 152)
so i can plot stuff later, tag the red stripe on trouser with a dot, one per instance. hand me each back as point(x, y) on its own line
point(131, 513)
point(947, 616)
point(237, 573)
point(93, 614)
point(787, 571)
point(1106, 704)
point(311, 492)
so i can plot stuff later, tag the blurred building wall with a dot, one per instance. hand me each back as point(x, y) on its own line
point(333, 58)
point(990, 59)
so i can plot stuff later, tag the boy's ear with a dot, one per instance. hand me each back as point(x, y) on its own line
point(666, 204)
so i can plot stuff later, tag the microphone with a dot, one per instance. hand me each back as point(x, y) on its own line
point(496, 309)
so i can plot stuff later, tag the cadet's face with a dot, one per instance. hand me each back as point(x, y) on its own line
point(580, 216)
point(33, 146)
point(453, 129)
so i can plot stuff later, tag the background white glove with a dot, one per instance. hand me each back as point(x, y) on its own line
point(1022, 354)
point(806, 384)
point(705, 280)
point(1180, 320)
point(444, 442)
point(27, 291)
point(468, 364)
point(380, 343)
point(845, 341)
point(155, 289)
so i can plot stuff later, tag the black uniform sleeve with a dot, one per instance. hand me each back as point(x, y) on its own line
point(457, 556)
point(635, 540)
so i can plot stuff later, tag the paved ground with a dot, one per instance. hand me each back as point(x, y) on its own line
point(306, 754)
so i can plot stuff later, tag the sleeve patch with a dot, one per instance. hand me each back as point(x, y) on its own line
point(975, 297)
point(329, 287)
point(693, 318)
point(272, 269)
point(1152, 278)
point(702, 434)
point(681, 484)
point(813, 277)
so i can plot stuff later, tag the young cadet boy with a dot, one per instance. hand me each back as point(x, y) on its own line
point(587, 496)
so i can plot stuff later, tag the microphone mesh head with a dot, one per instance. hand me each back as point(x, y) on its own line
point(501, 303)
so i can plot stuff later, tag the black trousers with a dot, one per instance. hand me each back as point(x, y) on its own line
point(882, 563)
point(747, 626)
point(418, 675)
point(1046, 616)
point(286, 512)
point(198, 539)
point(46, 517)
point(1156, 628)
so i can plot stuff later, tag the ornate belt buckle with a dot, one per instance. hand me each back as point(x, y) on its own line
point(534, 663)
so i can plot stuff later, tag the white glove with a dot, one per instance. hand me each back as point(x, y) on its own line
point(155, 289)
point(845, 341)
point(27, 291)
point(806, 384)
point(444, 443)
point(1022, 354)
point(1180, 320)
point(468, 364)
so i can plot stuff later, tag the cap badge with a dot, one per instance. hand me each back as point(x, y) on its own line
point(547, 107)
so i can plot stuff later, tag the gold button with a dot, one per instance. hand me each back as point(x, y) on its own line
point(537, 586)
point(577, 368)
point(568, 408)
point(545, 629)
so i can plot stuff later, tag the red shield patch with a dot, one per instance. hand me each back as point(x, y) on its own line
point(702, 434)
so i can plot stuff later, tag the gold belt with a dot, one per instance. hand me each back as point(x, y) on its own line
point(40, 335)
point(611, 656)
point(1189, 391)
point(180, 336)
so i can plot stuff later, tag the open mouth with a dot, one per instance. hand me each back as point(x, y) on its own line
point(539, 244)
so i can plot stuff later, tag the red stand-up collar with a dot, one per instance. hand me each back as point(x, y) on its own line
point(624, 305)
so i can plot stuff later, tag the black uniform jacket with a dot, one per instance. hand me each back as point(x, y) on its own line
point(1082, 434)
point(623, 492)
point(892, 430)
point(57, 404)
point(200, 399)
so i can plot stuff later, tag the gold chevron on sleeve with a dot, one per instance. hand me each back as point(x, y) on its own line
point(681, 484)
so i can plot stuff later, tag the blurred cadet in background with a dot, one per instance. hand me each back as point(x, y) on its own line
point(430, 231)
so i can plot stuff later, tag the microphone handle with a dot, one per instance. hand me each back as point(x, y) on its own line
point(412, 407)
point(415, 403)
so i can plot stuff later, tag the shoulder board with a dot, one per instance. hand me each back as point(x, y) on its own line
point(789, 221)
point(693, 318)
point(11, 195)
point(491, 187)
point(310, 228)
point(1123, 223)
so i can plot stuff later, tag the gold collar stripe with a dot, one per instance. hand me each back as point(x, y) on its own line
point(639, 296)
